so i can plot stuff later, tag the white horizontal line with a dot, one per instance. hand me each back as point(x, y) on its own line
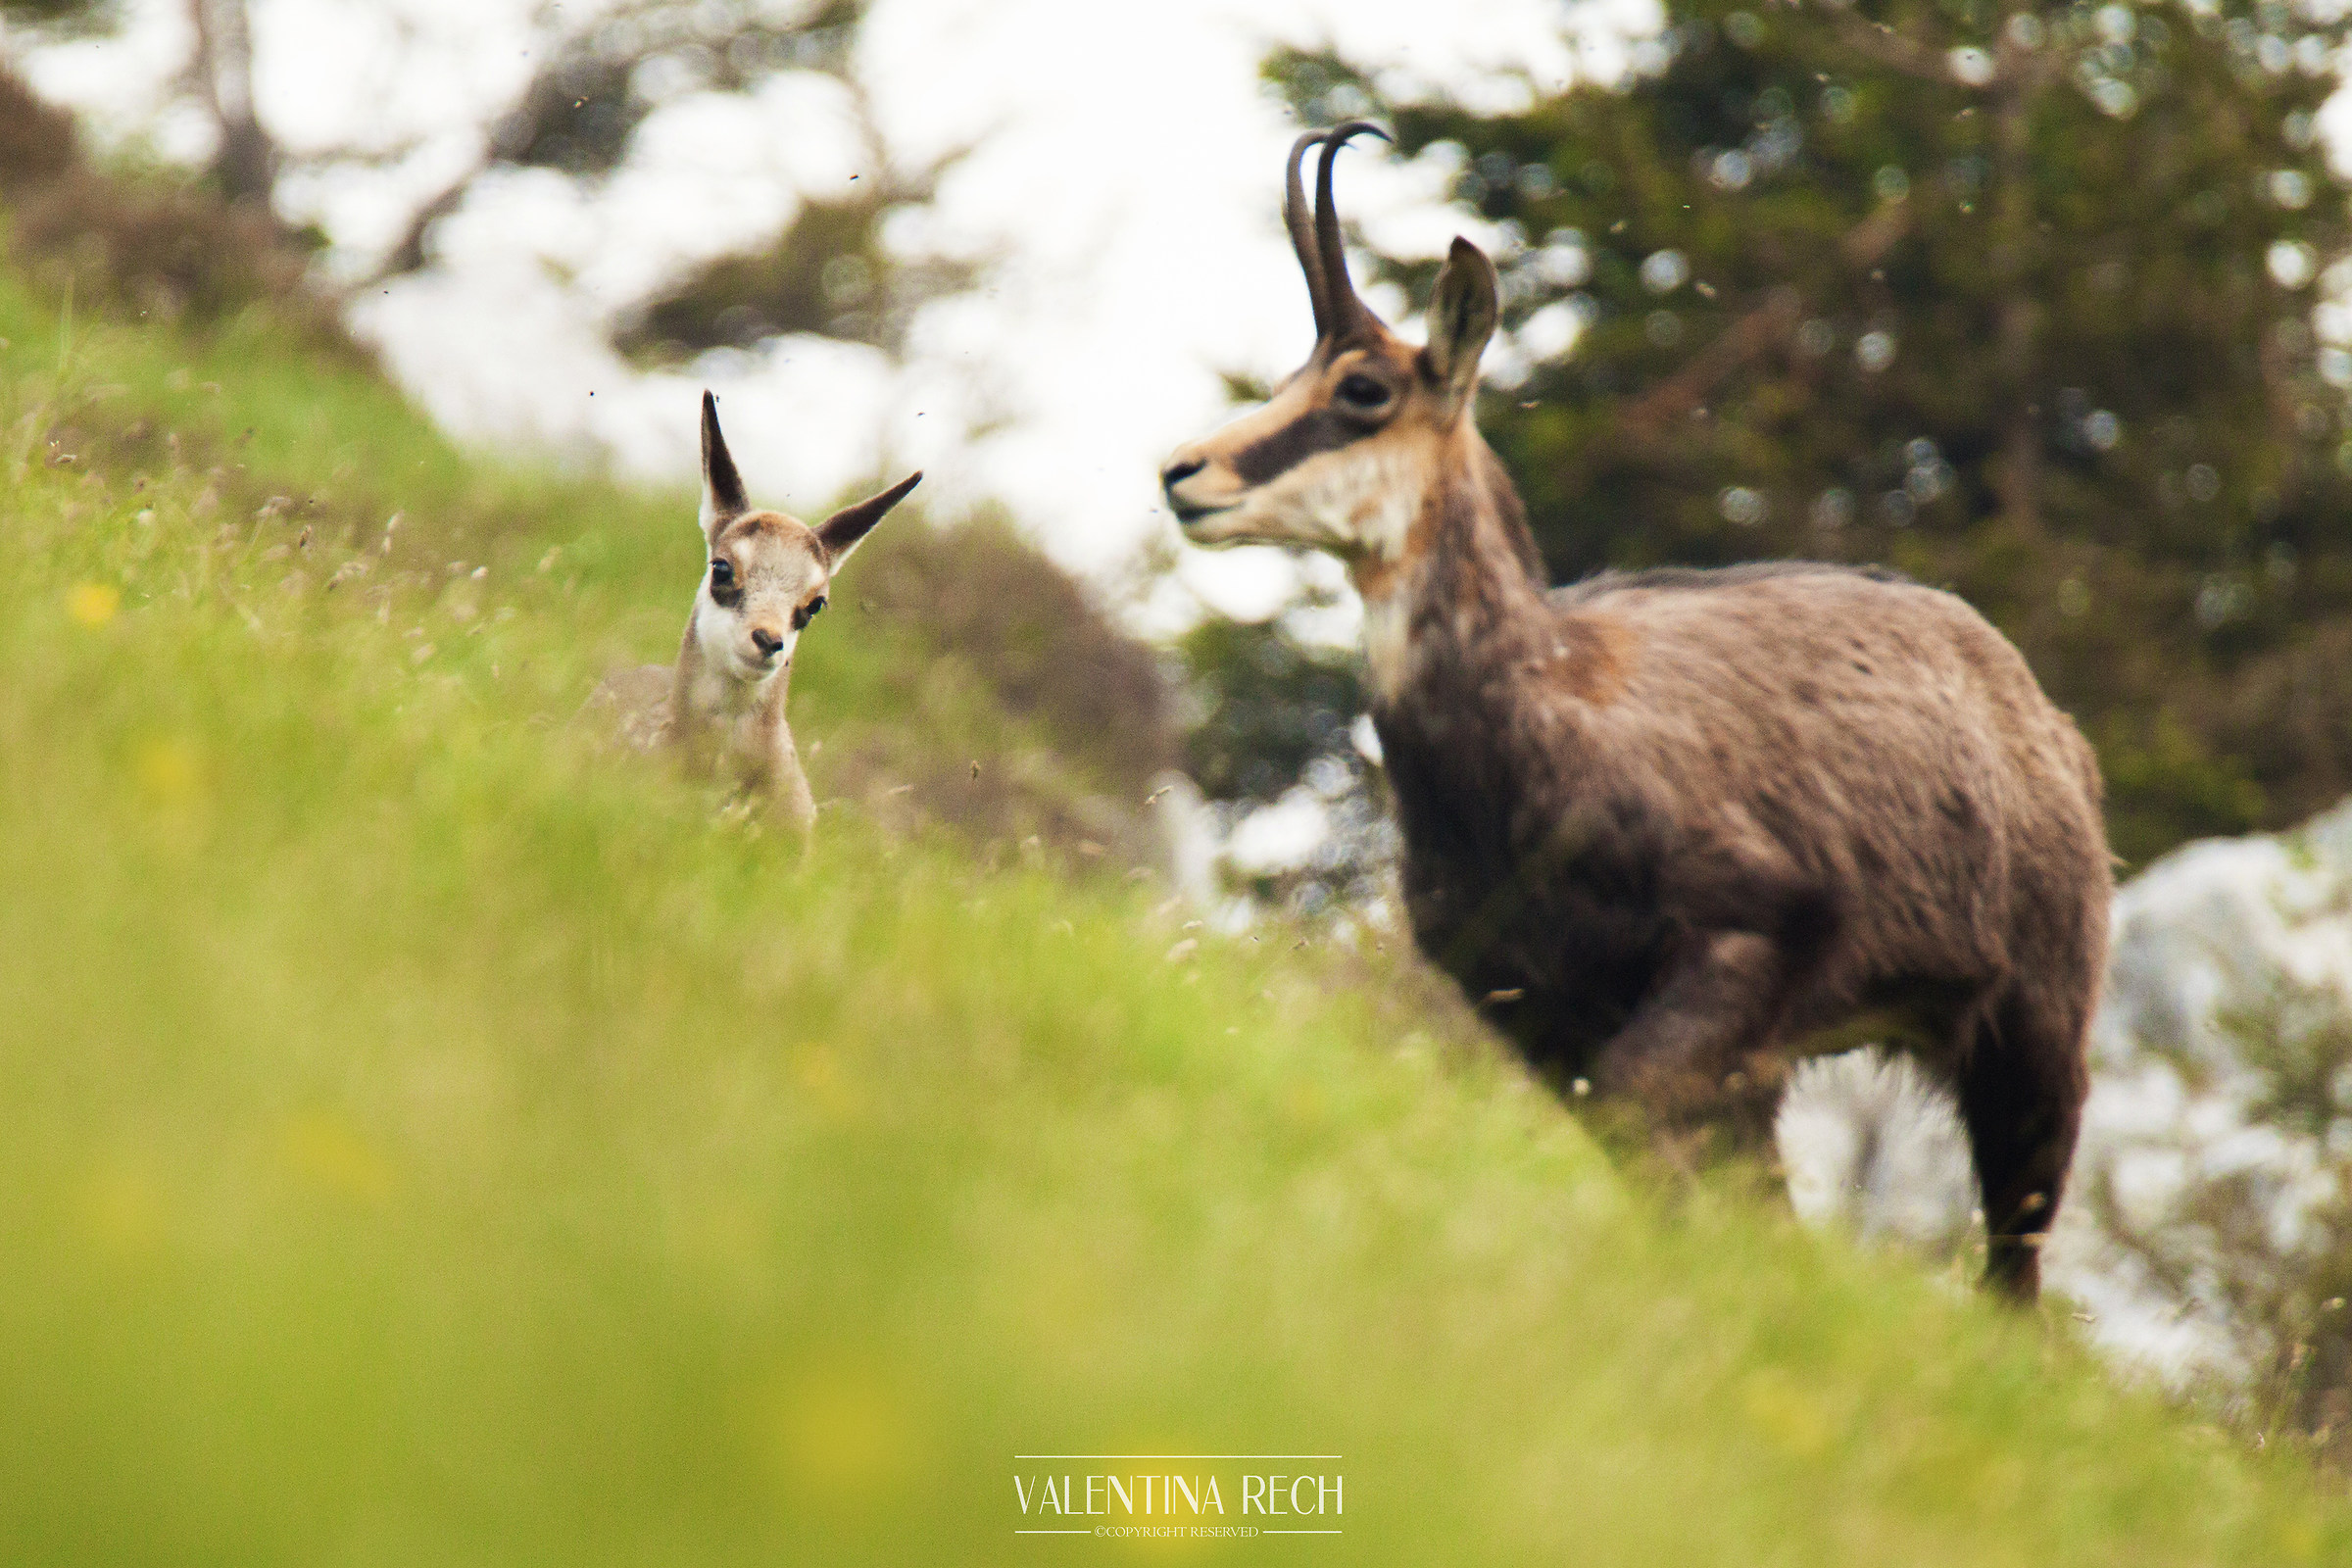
point(1053, 1532)
point(1176, 1457)
point(1297, 1532)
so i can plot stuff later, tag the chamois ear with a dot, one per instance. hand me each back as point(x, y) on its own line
point(839, 532)
point(1461, 318)
point(722, 486)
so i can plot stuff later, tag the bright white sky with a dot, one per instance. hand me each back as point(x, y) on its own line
point(1128, 175)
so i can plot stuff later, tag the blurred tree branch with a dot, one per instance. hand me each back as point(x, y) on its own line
point(246, 162)
point(603, 71)
point(603, 76)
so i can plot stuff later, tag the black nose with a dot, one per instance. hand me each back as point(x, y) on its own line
point(768, 642)
point(1175, 473)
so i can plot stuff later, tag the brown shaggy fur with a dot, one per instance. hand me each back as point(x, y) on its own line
point(1704, 820)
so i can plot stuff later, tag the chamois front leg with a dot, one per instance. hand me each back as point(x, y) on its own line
point(1716, 1002)
point(786, 787)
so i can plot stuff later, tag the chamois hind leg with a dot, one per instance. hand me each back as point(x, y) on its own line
point(2021, 1086)
point(1716, 1004)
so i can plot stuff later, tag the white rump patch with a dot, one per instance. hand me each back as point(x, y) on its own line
point(1872, 1143)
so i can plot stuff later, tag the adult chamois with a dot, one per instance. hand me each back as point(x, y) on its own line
point(1673, 827)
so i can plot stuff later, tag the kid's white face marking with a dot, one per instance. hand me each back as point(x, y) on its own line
point(729, 652)
point(777, 570)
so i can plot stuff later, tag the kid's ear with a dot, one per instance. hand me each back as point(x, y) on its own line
point(839, 532)
point(1461, 318)
point(722, 486)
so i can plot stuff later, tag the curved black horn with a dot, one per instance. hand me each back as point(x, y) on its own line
point(1301, 224)
point(1339, 293)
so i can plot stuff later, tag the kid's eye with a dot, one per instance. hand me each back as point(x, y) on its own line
point(1362, 392)
point(722, 574)
point(808, 611)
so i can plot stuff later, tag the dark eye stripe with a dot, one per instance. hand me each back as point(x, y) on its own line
point(1323, 430)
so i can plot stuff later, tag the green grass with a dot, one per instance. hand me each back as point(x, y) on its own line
point(425, 1143)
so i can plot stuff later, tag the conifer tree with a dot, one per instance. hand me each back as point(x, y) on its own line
point(2024, 302)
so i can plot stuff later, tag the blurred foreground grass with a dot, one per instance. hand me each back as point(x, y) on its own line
point(426, 1144)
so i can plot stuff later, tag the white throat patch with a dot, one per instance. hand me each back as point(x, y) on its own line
point(1388, 654)
point(1360, 500)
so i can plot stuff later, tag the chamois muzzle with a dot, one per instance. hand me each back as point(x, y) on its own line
point(1180, 467)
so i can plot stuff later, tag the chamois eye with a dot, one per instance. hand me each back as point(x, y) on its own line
point(808, 611)
point(722, 574)
point(1362, 392)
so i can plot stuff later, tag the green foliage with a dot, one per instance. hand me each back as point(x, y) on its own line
point(602, 72)
point(583, 105)
point(130, 241)
point(982, 594)
point(2017, 301)
point(828, 273)
point(68, 17)
point(1270, 714)
point(2162, 786)
point(1269, 704)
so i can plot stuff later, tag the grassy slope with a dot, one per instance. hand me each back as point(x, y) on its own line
point(424, 1143)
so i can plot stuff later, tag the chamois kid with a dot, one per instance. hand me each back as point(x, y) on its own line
point(722, 704)
point(1672, 827)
